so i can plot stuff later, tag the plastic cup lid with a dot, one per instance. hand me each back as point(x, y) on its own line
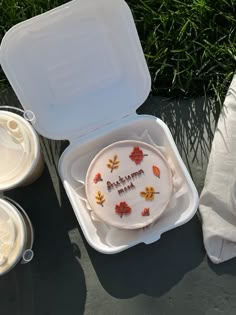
point(14, 146)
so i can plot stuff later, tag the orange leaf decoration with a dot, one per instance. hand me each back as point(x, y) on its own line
point(122, 209)
point(156, 171)
point(149, 193)
point(145, 212)
point(137, 155)
point(100, 198)
point(113, 163)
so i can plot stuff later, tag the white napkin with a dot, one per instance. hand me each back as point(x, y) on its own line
point(217, 208)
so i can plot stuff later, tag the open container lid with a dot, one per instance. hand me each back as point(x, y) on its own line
point(77, 67)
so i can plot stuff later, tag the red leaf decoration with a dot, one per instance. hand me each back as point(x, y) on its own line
point(156, 171)
point(137, 155)
point(97, 178)
point(122, 209)
point(145, 212)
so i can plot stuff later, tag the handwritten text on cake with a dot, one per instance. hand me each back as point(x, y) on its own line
point(123, 181)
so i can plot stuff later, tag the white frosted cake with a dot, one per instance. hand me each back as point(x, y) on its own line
point(129, 184)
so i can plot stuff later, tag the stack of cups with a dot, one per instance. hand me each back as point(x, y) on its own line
point(21, 163)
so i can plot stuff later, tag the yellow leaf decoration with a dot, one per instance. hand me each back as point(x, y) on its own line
point(113, 163)
point(100, 198)
point(149, 193)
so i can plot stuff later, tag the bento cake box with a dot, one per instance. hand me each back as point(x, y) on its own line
point(81, 70)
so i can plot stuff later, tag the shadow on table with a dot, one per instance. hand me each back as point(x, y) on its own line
point(151, 269)
point(225, 268)
point(54, 282)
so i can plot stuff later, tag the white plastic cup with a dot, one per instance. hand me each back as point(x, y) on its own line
point(29, 166)
point(16, 236)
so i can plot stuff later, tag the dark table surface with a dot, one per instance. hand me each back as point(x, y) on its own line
point(171, 276)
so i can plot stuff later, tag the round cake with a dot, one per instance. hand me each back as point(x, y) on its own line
point(129, 184)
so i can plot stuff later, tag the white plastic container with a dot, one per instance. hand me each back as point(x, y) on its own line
point(16, 236)
point(80, 68)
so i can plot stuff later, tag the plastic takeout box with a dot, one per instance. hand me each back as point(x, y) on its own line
point(81, 69)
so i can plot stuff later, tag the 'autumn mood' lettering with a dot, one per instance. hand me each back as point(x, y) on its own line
point(121, 183)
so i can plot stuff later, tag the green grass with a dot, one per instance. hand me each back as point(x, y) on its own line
point(190, 45)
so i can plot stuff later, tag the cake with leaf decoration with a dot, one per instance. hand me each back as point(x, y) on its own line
point(129, 184)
